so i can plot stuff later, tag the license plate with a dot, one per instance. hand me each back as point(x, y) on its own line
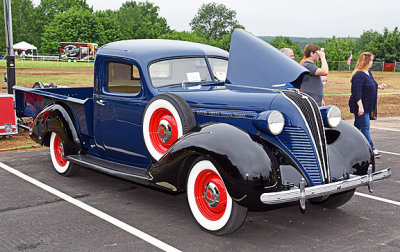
point(8, 128)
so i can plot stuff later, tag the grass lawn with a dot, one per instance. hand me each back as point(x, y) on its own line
point(337, 90)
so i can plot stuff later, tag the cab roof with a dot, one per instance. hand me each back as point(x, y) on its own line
point(147, 50)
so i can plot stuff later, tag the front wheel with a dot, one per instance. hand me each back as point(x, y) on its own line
point(60, 163)
point(210, 202)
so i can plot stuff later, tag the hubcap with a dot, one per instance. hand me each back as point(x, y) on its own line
point(211, 194)
point(59, 151)
point(164, 131)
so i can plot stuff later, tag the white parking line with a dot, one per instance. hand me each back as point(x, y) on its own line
point(385, 129)
point(391, 153)
point(378, 198)
point(136, 232)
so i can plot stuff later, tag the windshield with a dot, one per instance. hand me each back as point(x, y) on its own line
point(219, 68)
point(178, 71)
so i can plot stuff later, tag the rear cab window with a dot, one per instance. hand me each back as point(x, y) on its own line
point(123, 78)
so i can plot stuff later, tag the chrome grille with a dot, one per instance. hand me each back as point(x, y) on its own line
point(309, 108)
point(297, 141)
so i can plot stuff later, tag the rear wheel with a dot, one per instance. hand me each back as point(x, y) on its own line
point(210, 202)
point(60, 163)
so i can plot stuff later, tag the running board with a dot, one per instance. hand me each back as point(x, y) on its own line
point(127, 172)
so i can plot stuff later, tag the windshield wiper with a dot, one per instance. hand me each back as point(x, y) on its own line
point(186, 83)
point(219, 83)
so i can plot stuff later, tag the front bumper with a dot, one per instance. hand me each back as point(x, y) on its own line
point(302, 193)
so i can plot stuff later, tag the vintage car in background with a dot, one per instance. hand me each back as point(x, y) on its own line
point(183, 116)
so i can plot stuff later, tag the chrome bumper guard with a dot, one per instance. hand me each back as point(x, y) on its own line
point(302, 193)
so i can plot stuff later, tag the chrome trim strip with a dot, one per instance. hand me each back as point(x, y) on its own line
point(241, 114)
point(279, 85)
point(309, 130)
point(324, 167)
point(326, 189)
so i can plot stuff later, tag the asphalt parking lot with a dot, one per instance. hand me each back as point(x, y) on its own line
point(123, 216)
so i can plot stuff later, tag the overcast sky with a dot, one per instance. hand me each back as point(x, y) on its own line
point(299, 18)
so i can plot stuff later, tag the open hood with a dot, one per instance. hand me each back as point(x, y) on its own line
point(254, 62)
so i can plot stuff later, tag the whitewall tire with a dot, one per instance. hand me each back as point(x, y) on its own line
point(166, 118)
point(60, 163)
point(210, 202)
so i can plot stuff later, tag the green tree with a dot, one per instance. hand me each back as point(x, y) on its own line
point(108, 19)
point(367, 41)
point(285, 42)
point(338, 49)
point(186, 36)
point(390, 46)
point(139, 20)
point(216, 20)
point(47, 9)
point(23, 22)
point(385, 47)
point(77, 24)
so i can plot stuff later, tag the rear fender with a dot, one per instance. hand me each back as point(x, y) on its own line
point(55, 118)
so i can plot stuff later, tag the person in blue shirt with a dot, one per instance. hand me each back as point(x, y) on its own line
point(364, 95)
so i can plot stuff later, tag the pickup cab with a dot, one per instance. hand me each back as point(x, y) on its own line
point(183, 116)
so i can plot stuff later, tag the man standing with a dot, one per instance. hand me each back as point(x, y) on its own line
point(288, 52)
point(312, 83)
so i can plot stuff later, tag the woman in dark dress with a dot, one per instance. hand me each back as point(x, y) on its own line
point(364, 94)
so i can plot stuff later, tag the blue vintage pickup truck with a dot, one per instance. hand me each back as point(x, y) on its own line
point(183, 116)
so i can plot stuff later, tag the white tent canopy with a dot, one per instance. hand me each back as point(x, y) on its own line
point(24, 46)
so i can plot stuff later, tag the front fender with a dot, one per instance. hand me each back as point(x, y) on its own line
point(246, 166)
point(55, 118)
point(349, 151)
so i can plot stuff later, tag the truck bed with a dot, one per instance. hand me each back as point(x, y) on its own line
point(78, 101)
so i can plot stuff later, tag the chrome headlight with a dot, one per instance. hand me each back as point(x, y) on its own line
point(331, 115)
point(271, 122)
point(276, 122)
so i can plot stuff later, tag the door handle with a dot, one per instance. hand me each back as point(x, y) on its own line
point(100, 102)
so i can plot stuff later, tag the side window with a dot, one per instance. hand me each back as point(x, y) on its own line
point(219, 68)
point(123, 78)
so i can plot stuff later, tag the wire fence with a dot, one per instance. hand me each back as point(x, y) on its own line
point(46, 57)
point(397, 67)
point(377, 66)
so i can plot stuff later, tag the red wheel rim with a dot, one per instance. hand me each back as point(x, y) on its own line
point(163, 130)
point(207, 184)
point(59, 151)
